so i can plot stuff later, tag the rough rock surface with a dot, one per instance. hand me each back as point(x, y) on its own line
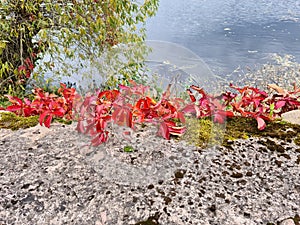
point(292, 116)
point(53, 177)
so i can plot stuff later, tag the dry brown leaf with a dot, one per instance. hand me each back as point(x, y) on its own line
point(278, 89)
point(168, 92)
point(296, 89)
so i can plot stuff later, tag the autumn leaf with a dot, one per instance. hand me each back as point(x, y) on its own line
point(278, 89)
point(261, 124)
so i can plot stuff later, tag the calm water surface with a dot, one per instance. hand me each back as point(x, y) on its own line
point(230, 33)
point(225, 34)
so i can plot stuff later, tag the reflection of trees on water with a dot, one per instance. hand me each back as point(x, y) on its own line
point(174, 64)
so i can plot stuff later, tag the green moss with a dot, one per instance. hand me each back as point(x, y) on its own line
point(63, 121)
point(204, 132)
point(297, 140)
point(11, 121)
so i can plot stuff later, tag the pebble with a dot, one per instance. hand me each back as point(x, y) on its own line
point(287, 222)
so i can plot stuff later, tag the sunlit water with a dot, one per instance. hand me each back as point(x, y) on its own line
point(223, 34)
point(230, 33)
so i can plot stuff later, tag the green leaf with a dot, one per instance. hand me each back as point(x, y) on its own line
point(272, 107)
point(128, 148)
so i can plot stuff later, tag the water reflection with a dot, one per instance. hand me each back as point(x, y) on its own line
point(226, 34)
point(177, 65)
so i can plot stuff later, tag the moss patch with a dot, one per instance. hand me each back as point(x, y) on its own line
point(297, 140)
point(11, 121)
point(204, 132)
point(63, 121)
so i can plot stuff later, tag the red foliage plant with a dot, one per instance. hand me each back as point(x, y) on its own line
point(131, 105)
point(251, 104)
point(209, 106)
point(283, 100)
point(44, 104)
point(126, 107)
point(257, 104)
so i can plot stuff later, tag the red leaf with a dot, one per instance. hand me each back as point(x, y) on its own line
point(42, 117)
point(237, 107)
point(279, 104)
point(13, 108)
point(27, 74)
point(27, 101)
point(59, 112)
point(22, 68)
point(177, 130)
point(220, 116)
point(181, 117)
point(225, 113)
point(229, 114)
point(110, 95)
point(144, 104)
point(228, 97)
point(48, 120)
point(190, 108)
point(198, 89)
point(164, 131)
point(28, 111)
point(14, 100)
point(261, 124)
point(90, 128)
point(63, 86)
point(134, 89)
point(123, 116)
point(80, 126)
point(100, 138)
point(192, 97)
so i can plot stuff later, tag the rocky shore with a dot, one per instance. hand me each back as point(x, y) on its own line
point(52, 176)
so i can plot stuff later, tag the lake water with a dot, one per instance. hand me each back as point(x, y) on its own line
point(204, 38)
point(230, 33)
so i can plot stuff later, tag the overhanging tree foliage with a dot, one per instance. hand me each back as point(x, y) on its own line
point(64, 30)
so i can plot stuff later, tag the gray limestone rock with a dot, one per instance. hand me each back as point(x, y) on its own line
point(54, 177)
point(292, 116)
